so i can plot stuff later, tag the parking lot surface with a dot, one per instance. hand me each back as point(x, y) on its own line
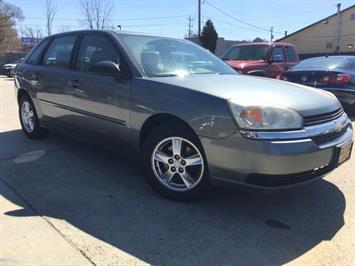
point(71, 203)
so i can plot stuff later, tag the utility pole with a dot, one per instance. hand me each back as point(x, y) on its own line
point(271, 34)
point(337, 33)
point(189, 32)
point(199, 18)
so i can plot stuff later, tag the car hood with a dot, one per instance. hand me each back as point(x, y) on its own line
point(240, 64)
point(305, 100)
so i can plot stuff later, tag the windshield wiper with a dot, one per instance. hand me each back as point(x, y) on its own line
point(164, 75)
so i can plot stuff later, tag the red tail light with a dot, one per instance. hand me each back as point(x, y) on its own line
point(336, 79)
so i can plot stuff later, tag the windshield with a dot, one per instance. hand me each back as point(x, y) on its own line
point(160, 57)
point(247, 52)
point(323, 62)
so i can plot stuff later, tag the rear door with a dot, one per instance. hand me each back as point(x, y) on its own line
point(52, 77)
point(100, 103)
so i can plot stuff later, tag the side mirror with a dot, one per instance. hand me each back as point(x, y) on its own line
point(277, 58)
point(105, 68)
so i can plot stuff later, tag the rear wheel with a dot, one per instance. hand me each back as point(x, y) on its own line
point(29, 119)
point(175, 163)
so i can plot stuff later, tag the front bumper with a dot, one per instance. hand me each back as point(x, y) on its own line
point(277, 159)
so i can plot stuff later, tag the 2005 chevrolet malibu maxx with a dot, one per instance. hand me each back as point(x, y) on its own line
point(191, 117)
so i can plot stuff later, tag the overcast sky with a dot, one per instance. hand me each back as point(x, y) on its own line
point(169, 17)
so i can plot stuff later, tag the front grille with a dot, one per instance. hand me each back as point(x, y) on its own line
point(286, 180)
point(322, 118)
point(328, 137)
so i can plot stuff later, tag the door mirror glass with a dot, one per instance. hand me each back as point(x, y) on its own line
point(277, 58)
point(105, 68)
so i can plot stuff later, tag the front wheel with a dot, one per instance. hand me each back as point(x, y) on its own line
point(175, 163)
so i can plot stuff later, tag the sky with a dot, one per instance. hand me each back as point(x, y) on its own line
point(233, 19)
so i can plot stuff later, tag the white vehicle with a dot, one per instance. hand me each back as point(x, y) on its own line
point(9, 68)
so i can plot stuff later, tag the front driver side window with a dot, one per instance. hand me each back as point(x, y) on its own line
point(96, 49)
point(278, 51)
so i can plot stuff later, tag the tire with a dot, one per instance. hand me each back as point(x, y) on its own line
point(29, 119)
point(181, 176)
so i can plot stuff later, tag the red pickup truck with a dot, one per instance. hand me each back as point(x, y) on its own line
point(262, 58)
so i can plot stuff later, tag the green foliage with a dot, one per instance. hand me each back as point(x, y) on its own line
point(9, 13)
point(209, 36)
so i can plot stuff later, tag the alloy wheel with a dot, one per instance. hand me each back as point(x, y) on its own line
point(177, 163)
point(27, 116)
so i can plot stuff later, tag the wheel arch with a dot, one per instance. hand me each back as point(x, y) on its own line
point(158, 119)
point(22, 92)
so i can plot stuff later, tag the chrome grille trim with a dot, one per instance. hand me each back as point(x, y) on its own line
point(322, 118)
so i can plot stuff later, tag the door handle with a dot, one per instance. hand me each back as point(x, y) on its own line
point(74, 84)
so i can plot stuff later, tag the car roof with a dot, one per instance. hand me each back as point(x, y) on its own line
point(112, 32)
point(264, 43)
point(352, 57)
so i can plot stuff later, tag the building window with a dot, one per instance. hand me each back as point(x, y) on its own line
point(329, 45)
point(352, 17)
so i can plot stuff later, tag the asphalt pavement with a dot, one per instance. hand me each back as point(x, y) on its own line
point(66, 202)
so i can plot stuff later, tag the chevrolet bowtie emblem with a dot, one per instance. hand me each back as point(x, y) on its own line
point(337, 127)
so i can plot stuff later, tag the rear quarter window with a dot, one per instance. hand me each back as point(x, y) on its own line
point(59, 52)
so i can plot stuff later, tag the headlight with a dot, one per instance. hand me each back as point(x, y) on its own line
point(262, 116)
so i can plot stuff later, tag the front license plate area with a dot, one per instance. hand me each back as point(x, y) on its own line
point(344, 153)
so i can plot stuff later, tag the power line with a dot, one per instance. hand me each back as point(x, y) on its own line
point(123, 19)
point(239, 20)
point(236, 19)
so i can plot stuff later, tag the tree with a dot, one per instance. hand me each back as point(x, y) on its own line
point(9, 14)
point(63, 28)
point(209, 36)
point(257, 39)
point(51, 11)
point(96, 13)
point(34, 34)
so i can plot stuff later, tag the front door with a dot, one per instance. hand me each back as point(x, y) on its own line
point(276, 68)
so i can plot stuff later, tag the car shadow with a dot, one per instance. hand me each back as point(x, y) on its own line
point(103, 194)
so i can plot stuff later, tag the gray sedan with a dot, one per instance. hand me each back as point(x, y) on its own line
point(190, 117)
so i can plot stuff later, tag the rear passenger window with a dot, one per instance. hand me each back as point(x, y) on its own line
point(291, 54)
point(59, 52)
point(36, 56)
point(95, 49)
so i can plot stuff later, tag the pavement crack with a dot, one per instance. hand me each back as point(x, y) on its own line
point(37, 213)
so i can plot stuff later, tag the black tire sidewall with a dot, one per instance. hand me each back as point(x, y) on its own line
point(162, 132)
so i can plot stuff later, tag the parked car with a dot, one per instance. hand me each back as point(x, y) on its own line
point(8, 69)
point(189, 116)
point(332, 73)
point(262, 59)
